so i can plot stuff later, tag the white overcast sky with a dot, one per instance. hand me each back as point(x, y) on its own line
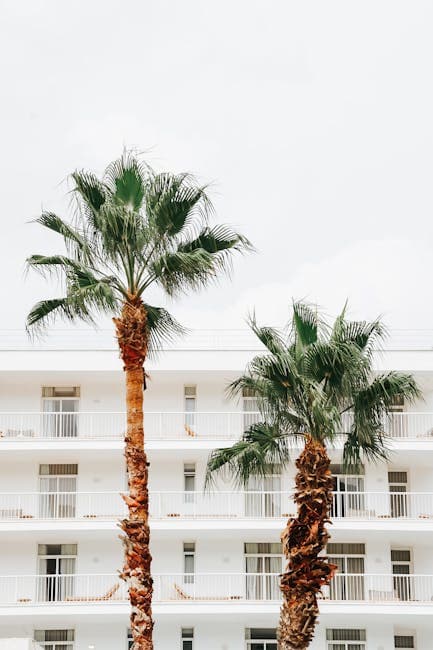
point(313, 121)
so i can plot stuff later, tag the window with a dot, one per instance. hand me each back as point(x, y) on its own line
point(348, 584)
point(346, 639)
point(260, 638)
point(397, 405)
point(263, 564)
point(263, 495)
point(57, 491)
point(56, 565)
point(404, 641)
point(398, 488)
point(348, 497)
point(188, 562)
point(58, 470)
point(189, 482)
point(401, 570)
point(187, 636)
point(396, 423)
point(129, 639)
point(69, 392)
point(190, 404)
point(55, 639)
point(249, 407)
point(60, 407)
point(346, 549)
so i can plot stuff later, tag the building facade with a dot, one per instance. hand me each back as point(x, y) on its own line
point(216, 554)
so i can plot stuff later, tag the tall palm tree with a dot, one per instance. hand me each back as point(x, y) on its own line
point(309, 382)
point(133, 229)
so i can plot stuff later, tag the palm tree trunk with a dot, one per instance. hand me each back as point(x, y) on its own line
point(303, 539)
point(132, 335)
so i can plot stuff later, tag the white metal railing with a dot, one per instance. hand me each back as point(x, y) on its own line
point(163, 505)
point(212, 587)
point(223, 505)
point(174, 425)
point(102, 588)
point(72, 588)
point(105, 425)
point(212, 505)
point(380, 588)
point(413, 426)
point(382, 505)
point(61, 505)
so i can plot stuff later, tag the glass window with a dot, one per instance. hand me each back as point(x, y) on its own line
point(397, 405)
point(60, 406)
point(347, 639)
point(345, 549)
point(398, 483)
point(61, 391)
point(187, 635)
point(263, 564)
point(189, 482)
point(250, 407)
point(404, 641)
point(188, 562)
point(190, 405)
point(55, 639)
point(261, 638)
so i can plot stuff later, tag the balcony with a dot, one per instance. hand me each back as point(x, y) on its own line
point(370, 506)
point(37, 426)
point(75, 589)
point(111, 426)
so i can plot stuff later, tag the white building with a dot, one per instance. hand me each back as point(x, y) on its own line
point(216, 556)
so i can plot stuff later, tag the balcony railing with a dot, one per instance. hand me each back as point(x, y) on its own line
point(174, 426)
point(163, 505)
point(212, 587)
point(412, 426)
point(111, 426)
point(61, 505)
point(380, 588)
point(382, 505)
point(374, 506)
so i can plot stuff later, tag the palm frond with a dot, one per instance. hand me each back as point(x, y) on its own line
point(177, 272)
point(92, 193)
point(74, 240)
point(260, 452)
point(45, 312)
point(363, 334)
point(218, 239)
point(367, 443)
point(47, 264)
point(163, 328)
point(380, 394)
point(271, 338)
point(305, 324)
point(175, 202)
point(126, 178)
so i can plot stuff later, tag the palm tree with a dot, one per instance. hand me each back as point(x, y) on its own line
point(133, 229)
point(310, 382)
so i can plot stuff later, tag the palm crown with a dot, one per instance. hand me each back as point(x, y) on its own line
point(133, 228)
point(309, 377)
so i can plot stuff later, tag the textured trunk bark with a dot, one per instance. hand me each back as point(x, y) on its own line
point(132, 336)
point(303, 539)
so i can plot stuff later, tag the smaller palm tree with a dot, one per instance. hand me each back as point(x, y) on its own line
point(312, 382)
